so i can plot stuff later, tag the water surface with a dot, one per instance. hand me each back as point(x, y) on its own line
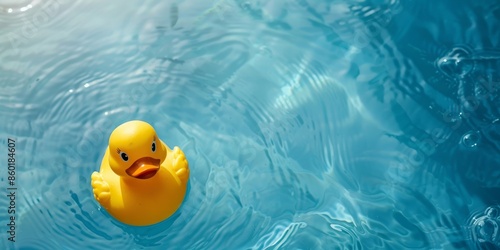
point(307, 124)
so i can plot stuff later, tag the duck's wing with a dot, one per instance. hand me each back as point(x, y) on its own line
point(101, 189)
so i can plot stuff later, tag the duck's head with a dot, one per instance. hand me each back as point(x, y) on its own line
point(135, 151)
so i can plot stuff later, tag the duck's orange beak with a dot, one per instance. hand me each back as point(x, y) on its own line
point(144, 168)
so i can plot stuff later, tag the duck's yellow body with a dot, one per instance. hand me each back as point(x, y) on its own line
point(141, 181)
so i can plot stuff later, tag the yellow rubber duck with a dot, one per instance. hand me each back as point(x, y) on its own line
point(141, 181)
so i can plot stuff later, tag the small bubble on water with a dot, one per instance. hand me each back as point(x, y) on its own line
point(471, 139)
point(485, 228)
point(456, 63)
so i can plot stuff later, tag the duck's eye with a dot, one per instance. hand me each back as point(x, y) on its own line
point(124, 156)
point(153, 146)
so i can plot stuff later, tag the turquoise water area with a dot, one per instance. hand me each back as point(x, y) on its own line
point(307, 124)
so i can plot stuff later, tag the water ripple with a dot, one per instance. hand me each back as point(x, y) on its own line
point(24, 22)
point(485, 228)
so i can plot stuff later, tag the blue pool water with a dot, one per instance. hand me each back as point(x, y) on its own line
point(308, 124)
